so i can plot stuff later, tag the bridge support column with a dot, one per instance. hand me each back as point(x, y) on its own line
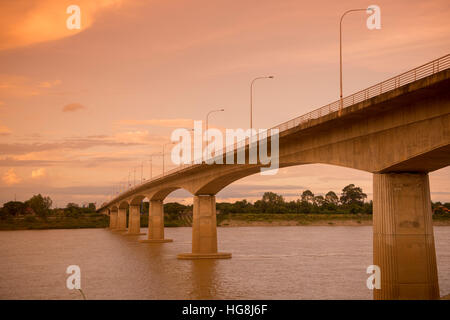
point(403, 241)
point(113, 220)
point(156, 223)
point(121, 220)
point(204, 230)
point(134, 221)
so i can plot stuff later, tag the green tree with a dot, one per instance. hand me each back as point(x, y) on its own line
point(352, 195)
point(332, 198)
point(319, 201)
point(40, 205)
point(72, 205)
point(72, 210)
point(13, 208)
point(272, 202)
point(174, 209)
point(307, 196)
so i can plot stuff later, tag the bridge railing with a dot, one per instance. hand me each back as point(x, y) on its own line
point(393, 83)
point(417, 73)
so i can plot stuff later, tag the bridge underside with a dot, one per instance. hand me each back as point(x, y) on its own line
point(426, 162)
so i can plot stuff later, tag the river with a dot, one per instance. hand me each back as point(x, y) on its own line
point(301, 262)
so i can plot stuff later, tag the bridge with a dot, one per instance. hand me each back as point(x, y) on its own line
point(399, 130)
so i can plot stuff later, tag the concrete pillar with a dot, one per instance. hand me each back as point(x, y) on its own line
point(113, 220)
point(156, 223)
point(121, 220)
point(204, 230)
point(134, 221)
point(403, 241)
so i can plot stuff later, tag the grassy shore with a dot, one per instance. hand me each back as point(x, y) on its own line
point(286, 219)
point(292, 219)
point(94, 220)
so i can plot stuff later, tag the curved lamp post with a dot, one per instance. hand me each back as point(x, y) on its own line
point(251, 98)
point(163, 152)
point(340, 52)
point(207, 115)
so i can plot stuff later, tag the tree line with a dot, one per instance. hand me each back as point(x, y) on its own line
point(40, 206)
point(352, 199)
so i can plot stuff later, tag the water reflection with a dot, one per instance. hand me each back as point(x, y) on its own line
point(205, 280)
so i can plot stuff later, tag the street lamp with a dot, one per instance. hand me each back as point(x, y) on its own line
point(207, 115)
point(151, 166)
point(340, 52)
point(192, 156)
point(251, 99)
point(206, 128)
point(163, 152)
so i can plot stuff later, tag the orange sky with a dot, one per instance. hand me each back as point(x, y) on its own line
point(80, 108)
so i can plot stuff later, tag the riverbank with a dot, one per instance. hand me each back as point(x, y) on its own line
point(281, 219)
point(95, 220)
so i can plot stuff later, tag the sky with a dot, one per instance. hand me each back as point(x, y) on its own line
point(81, 110)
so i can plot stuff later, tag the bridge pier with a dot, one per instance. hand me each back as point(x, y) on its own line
point(403, 241)
point(156, 223)
point(134, 221)
point(121, 220)
point(204, 230)
point(112, 219)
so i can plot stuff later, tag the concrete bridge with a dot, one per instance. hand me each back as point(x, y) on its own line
point(399, 130)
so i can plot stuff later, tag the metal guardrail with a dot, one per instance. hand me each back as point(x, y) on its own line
point(393, 83)
point(407, 77)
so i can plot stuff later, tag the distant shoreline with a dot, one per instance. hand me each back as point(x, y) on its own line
point(267, 220)
point(223, 221)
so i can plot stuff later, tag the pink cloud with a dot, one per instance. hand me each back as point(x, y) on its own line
point(10, 177)
point(72, 107)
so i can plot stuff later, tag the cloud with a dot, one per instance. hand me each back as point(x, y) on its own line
point(73, 107)
point(121, 139)
point(25, 23)
point(9, 162)
point(4, 131)
point(10, 177)
point(19, 85)
point(49, 84)
point(134, 137)
point(168, 123)
point(38, 173)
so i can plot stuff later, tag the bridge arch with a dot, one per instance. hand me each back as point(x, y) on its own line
point(163, 193)
point(137, 199)
point(124, 204)
point(220, 180)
